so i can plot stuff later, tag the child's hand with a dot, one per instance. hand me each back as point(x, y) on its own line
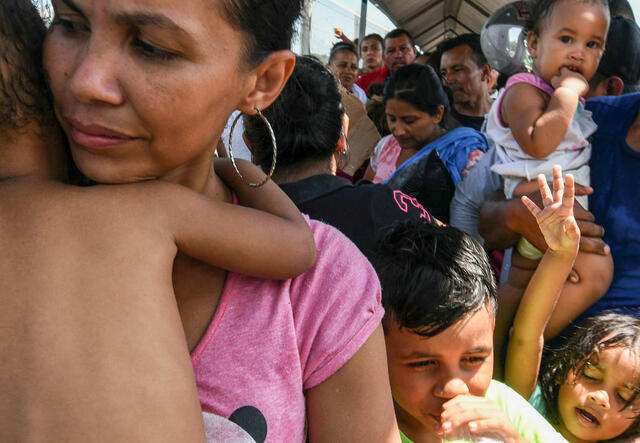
point(337, 32)
point(566, 78)
point(556, 221)
point(477, 416)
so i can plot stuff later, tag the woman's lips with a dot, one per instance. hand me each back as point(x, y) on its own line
point(95, 137)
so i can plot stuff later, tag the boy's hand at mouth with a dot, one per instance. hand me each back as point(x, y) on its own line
point(466, 416)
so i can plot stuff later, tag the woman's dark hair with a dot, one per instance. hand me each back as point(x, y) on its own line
point(419, 86)
point(432, 276)
point(306, 118)
point(267, 24)
point(340, 47)
point(24, 94)
point(604, 331)
point(543, 9)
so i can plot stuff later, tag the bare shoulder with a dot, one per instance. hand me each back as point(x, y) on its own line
point(137, 207)
point(64, 220)
point(86, 282)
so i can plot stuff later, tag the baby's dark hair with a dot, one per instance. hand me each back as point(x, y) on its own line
point(340, 47)
point(543, 9)
point(24, 94)
point(306, 118)
point(604, 331)
point(432, 277)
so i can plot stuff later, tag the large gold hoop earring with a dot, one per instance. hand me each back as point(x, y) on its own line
point(273, 144)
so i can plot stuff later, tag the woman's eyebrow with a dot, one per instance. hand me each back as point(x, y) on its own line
point(72, 6)
point(143, 18)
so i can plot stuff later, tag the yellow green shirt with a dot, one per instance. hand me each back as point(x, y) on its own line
point(531, 425)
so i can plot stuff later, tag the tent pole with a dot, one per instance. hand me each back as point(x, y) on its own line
point(363, 19)
point(305, 35)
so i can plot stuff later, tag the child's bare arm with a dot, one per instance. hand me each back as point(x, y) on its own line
point(270, 239)
point(562, 235)
point(268, 198)
point(538, 124)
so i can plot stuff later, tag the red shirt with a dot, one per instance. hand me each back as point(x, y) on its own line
point(377, 76)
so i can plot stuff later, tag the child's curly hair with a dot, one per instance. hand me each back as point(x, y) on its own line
point(604, 331)
point(24, 94)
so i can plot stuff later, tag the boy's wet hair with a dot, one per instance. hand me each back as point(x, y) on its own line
point(24, 94)
point(542, 10)
point(604, 331)
point(432, 277)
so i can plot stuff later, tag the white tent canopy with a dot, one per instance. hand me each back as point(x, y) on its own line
point(432, 21)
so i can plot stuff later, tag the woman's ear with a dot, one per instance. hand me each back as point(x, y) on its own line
point(268, 79)
point(532, 44)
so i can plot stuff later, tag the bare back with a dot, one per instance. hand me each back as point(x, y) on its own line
point(91, 341)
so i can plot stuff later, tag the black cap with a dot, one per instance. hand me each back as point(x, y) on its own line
point(622, 52)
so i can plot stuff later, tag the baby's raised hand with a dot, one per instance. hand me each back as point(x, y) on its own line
point(573, 80)
point(555, 219)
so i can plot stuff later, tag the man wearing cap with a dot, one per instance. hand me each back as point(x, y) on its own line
point(615, 163)
point(399, 50)
point(621, 8)
point(465, 70)
point(619, 67)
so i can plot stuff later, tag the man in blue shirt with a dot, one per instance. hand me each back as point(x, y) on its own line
point(615, 203)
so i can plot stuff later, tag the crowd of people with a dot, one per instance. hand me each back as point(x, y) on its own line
point(424, 249)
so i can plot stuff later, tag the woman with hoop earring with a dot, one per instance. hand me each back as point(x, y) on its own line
point(310, 125)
